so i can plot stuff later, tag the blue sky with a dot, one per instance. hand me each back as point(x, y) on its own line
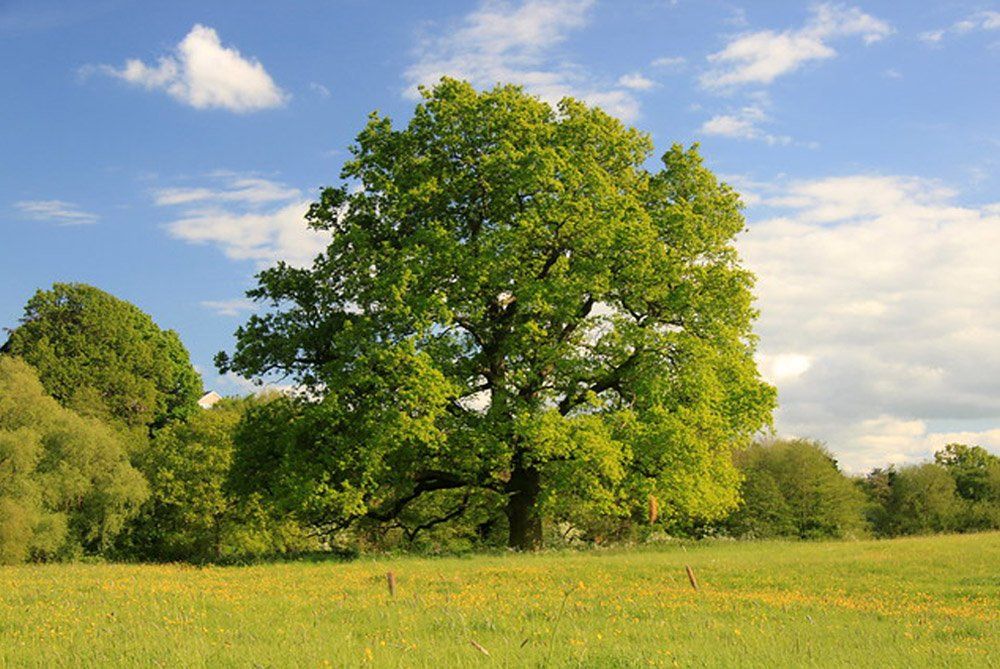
point(165, 152)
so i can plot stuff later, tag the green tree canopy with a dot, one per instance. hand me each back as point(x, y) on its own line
point(66, 485)
point(922, 499)
point(104, 356)
point(976, 471)
point(794, 488)
point(513, 307)
point(191, 515)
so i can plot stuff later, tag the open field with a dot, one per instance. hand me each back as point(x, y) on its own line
point(904, 603)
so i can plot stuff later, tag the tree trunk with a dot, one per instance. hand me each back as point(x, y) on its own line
point(522, 508)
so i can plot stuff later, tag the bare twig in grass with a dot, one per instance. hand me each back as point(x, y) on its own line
point(479, 647)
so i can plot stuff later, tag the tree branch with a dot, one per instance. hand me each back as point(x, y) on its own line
point(411, 534)
point(581, 315)
point(610, 380)
point(428, 481)
point(466, 325)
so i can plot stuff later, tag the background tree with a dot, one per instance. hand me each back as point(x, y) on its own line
point(794, 488)
point(105, 357)
point(877, 486)
point(922, 500)
point(763, 512)
point(66, 485)
point(513, 309)
point(191, 515)
point(976, 472)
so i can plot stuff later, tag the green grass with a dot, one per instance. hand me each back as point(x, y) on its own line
point(922, 602)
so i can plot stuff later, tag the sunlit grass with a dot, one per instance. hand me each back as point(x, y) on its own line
point(905, 603)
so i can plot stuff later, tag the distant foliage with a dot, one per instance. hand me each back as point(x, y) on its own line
point(66, 485)
point(191, 514)
point(975, 470)
point(105, 357)
point(794, 488)
point(958, 492)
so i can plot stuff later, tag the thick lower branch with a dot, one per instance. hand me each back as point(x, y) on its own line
point(411, 533)
point(610, 380)
point(426, 482)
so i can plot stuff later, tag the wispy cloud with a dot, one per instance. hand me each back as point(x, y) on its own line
point(669, 61)
point(743, 124)
point(56, 211)
point(977, 22)
point(245, 189)
point(233, 307)
point(500, 42)
point(763, 56)
point(319, 89)
point(204, 74)
point(247, 217)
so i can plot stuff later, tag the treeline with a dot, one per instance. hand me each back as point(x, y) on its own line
point(105, 452)
point(794, 488)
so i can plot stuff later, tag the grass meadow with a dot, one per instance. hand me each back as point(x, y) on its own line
point(915, 602)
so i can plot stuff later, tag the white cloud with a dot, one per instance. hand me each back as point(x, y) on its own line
point(233, 307)
point(744, 124)
point(891, 290)
point(248, 217)
point(204, 74)
point(231, 383)
point(636, 82)
point(728, 125)
point(761, 57)
point(264, 237)
point(980, 21)
point(784, 367)
point(504, 43)
point(56, 211)
point(932, 36)
point(888, 439)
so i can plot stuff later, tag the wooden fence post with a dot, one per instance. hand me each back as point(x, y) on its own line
point(690, 572)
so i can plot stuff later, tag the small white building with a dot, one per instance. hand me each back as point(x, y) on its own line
point(209, 399)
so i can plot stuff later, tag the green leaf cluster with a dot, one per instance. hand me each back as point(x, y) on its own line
point(105, 357)
point(192, 514)
point(66, 485)
point(794, 488)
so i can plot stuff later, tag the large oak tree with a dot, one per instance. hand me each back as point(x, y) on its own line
point(513, 308)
